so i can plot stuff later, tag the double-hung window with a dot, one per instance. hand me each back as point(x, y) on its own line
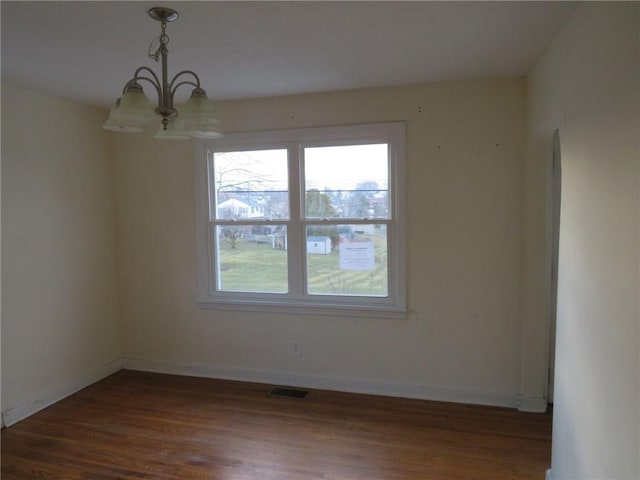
point(308, 220)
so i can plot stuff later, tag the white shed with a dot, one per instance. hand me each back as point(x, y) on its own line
point(319, 245)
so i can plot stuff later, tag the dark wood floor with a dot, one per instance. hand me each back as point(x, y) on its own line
point(135, 425)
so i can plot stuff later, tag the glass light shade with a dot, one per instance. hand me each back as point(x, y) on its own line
point(198, 107)
point(135, 107)
point(175, 131)
point(203, 128)
point(124, 126)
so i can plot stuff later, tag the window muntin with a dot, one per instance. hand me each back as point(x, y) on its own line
point(290, 174)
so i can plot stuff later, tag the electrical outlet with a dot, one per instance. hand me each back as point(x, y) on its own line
point(296, 349)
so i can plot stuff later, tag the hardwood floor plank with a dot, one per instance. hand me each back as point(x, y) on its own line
point(135, 425)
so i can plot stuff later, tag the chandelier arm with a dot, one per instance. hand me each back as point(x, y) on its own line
point(147, 69)
point(155, 81)
point(186, 82)
point(182, 73)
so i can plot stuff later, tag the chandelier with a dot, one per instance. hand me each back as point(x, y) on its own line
point(133, 109)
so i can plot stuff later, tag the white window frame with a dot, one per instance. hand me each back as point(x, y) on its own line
point(296, 301)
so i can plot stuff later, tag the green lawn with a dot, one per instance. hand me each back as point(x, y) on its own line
point(253, 267)
point(261, 268)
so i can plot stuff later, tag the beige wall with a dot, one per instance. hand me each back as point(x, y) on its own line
point(587, 86)
point(59, 303)
point(461, 339)
point(477, 329)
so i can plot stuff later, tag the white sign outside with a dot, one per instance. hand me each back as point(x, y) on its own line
point(356, 256)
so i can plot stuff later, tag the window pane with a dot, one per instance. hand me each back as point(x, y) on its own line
point(252, 258)
point(250, 185)
point(347, 260)
point(347, 181)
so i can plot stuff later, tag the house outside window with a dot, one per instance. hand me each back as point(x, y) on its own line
point(303, 220)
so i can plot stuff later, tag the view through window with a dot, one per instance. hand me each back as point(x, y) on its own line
point(311, 222)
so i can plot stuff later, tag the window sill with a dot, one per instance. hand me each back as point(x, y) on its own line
point(336, 310)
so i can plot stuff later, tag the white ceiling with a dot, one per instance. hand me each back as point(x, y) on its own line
point(87, 50)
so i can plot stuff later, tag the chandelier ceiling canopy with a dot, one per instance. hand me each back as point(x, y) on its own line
point(133, 109)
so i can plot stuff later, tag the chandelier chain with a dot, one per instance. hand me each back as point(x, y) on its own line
point(158, 43)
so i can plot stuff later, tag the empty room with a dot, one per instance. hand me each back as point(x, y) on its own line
point(320, 240)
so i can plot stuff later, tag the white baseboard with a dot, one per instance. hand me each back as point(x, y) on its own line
point(532, 404)
point(548, 476)
point(340, 384)
point(29, 407)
